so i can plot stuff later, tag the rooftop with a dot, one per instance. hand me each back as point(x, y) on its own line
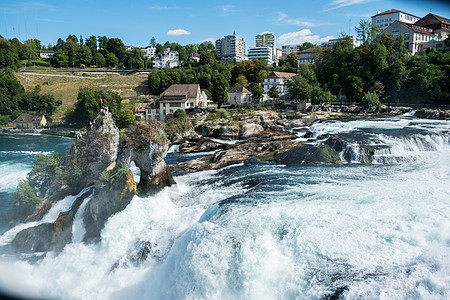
point(238, 89)
point(27, 118)
point(281, 75)
point(181, 90)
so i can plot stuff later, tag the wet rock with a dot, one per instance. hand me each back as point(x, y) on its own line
point(249, 130)
point(309, 154)
point(335, 143)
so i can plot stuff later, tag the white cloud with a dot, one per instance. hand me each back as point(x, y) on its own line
point(283, 18)
point(343, 3)
point(176, 32)
point(300, 37)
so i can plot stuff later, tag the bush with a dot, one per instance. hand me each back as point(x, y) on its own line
point(371, 102)
point(179, 114)
point(4, 119)
point(25, 200)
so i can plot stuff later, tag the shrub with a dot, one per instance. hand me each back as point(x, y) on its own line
point(25, 199)
point(371, 102)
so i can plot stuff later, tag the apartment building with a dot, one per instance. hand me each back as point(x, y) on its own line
point(231, 48)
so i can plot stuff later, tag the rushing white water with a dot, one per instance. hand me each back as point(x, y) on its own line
point(50, 217)
point(267, 231)
point(78, 229)
point(12, 174)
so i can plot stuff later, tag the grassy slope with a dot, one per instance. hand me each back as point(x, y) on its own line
point(66, 88)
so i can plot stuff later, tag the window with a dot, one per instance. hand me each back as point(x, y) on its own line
point(406, 36)
point(395, 29)
point(175, 104)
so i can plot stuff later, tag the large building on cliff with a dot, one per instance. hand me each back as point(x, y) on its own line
point(177, 96)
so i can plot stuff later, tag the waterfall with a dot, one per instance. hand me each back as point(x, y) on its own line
point(78, 229)
point(50, 217)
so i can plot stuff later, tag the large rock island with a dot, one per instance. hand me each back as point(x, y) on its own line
point(96, 169)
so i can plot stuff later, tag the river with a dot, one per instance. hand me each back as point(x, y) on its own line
point(260, 230)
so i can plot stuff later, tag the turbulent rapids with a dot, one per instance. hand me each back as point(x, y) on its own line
point(373, 226)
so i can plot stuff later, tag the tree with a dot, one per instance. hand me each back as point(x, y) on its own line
point(153, 42)
point(305, 46)
point(292, 59)
point(219, 89)
point(11, 92)
point(371, 102)
point(241, 81)
point(25, 200)
point(299, 87)
point(366, 32)
point(117, 47)
point(274, 93)
point(88, 105)
point(83, 56)
point(206, 58)
point(179, 114)
point(125, 118)
point(60, 59)
point(99, 60)
point(111, 60)
point(8, 54)
point(91, 42)
point(258, 92)
point(134, 59)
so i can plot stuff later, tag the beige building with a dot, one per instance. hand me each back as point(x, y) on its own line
point(279, 80)
point(414, 35)
point(27, 121)
point(239, 95)
point(177, 96)
point(386, 18)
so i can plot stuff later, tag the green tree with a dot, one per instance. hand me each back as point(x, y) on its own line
point(111, 60)
point(8, 54)
point(258, 92)
point(88, 105)
point(125, 118)
point(60, 59)
point(292, 59)
point(371, 102)
point(305, 46)
point(274, 93)
point(299, 88)
point(180, 114)
point(45, 169)
point(11, 92)
point(91, 42)
point(117, 47)
point(134, 59)
point(153, 42)
point(241, 81)
point(25, 200)
point(99, 60)
point(366, 32)
point(83, 56)
point(219, 89)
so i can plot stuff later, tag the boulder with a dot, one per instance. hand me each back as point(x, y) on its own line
point(309, 154)
point(249, 130)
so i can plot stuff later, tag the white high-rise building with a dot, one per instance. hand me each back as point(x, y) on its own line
point(231, 48)
point(264, 52)
point(267, 39)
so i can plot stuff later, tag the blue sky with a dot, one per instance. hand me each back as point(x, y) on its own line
point(194, 21)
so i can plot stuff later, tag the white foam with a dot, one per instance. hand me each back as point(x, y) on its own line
point(78, 229)
point(50, 217)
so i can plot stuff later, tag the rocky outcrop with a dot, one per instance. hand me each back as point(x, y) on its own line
point(101, 160)
point(433, 114)
point(266, 143)
point(309, 154)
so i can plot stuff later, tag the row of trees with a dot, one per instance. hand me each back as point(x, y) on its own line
point(98, 51)
point(14, 99)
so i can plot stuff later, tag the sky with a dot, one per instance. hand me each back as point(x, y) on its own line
point(194, 21)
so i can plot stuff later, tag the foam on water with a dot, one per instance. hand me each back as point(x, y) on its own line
point(265, 231)
point(50, 217)
point(12, 174)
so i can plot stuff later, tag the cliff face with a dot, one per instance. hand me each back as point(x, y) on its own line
point(100, 158)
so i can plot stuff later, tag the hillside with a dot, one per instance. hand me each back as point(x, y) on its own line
point(65, 85)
